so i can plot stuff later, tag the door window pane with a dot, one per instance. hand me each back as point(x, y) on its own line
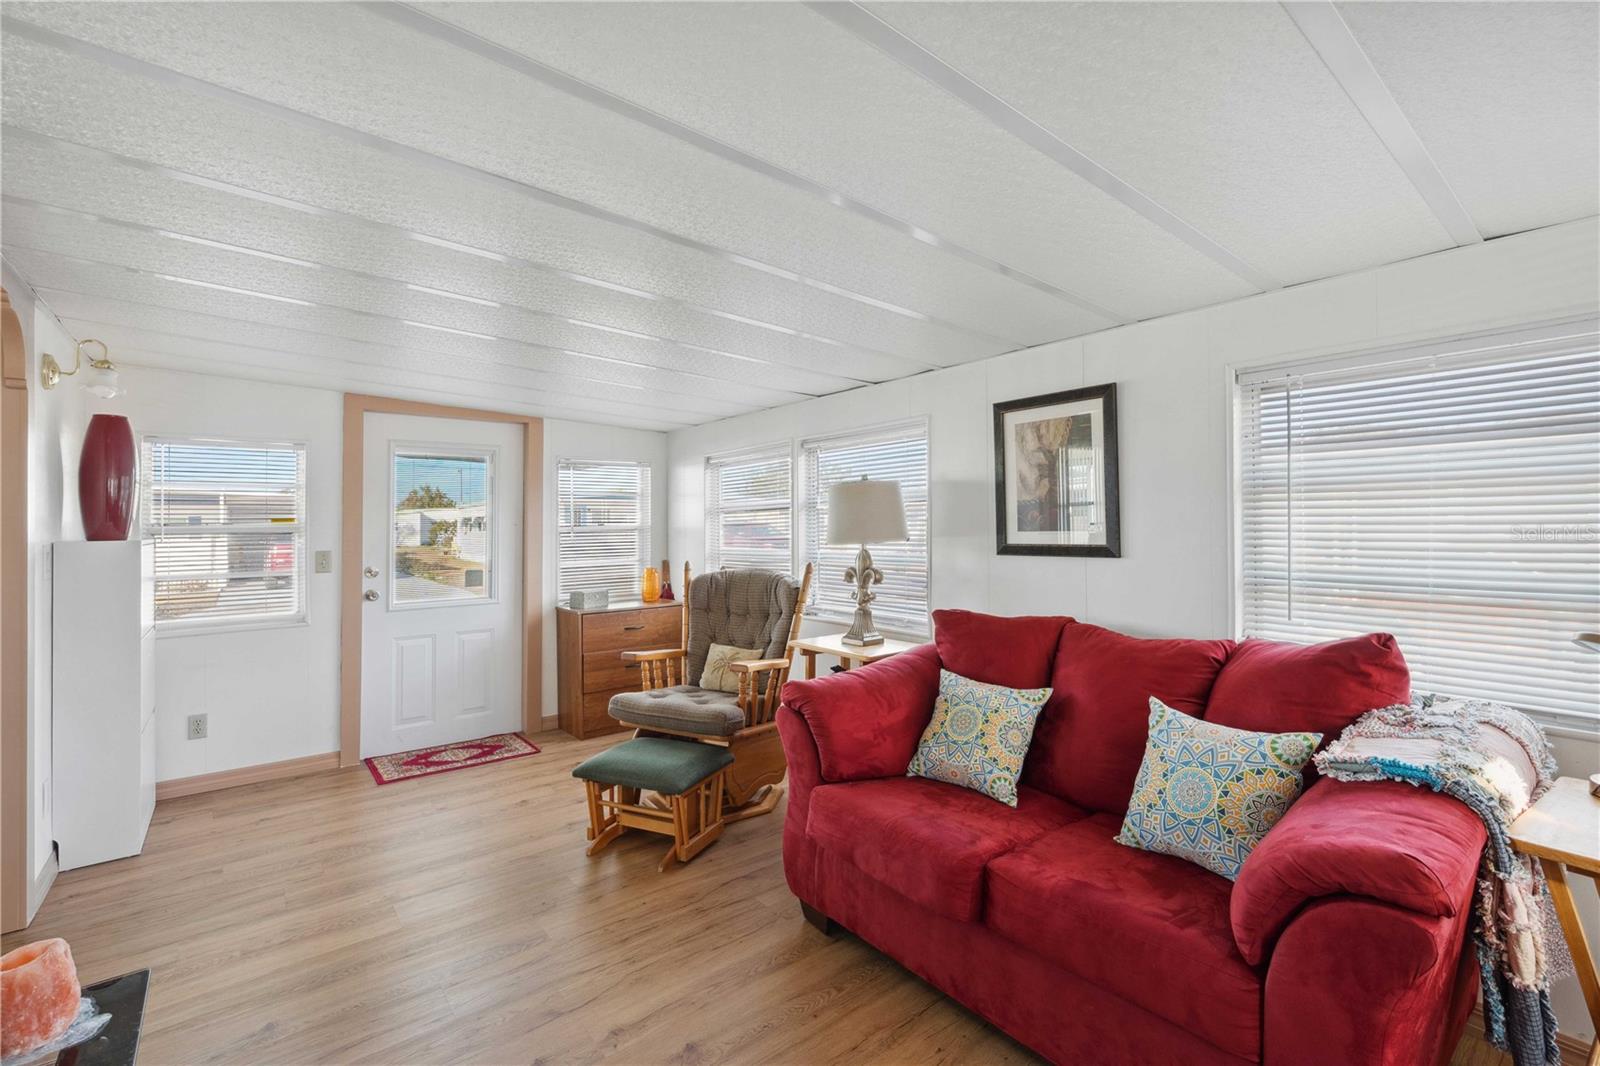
point(441, 536)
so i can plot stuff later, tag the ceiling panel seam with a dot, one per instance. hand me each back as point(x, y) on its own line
point(508, 258)
point(337, 383)
point(786, 395)
point(1334, 42)
point(140, 227)
point(337, 339)
point(867, 26)
point(394, 149)
point(554, 394)
point(429, 25)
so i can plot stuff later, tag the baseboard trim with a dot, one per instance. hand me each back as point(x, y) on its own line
point(246, 775)
point(38, 889)
point(1574, 1052)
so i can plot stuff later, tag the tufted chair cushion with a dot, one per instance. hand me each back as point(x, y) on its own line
point(743, 608)
point(682, 709)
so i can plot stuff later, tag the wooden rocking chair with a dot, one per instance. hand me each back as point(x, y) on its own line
point(740, 608)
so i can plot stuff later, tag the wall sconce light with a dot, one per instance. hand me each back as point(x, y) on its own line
point(100, 377)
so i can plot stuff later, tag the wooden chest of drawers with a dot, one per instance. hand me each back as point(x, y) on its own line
point(589, 666)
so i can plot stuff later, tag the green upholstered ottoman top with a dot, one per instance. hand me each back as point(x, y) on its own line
point(671, 767)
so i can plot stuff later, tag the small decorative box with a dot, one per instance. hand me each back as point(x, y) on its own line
point(588, 599)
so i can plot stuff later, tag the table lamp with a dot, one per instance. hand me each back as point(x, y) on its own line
point(865, 512)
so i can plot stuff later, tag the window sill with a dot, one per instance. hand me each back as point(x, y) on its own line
point(170, 630)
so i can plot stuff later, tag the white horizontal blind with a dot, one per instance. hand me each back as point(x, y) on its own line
point(896, 453)
point(228, 522)
point(749, 510)
point(1452, 501)
point(604, 526)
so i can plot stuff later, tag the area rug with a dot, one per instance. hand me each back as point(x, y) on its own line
point(405, 765)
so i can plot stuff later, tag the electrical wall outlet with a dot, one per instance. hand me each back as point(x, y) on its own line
point(323, 562)
point(197, 727)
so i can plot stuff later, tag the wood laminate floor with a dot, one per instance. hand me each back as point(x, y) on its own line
point(455, 918)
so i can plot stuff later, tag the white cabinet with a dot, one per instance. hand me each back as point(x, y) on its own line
point(104, 707)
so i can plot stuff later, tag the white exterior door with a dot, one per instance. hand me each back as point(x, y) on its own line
point(441, 632)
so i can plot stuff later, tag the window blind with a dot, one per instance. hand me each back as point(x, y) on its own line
point(749, 510)
point(603, 539)
point(228, 522)
point(1452, 500)
point(896, 453)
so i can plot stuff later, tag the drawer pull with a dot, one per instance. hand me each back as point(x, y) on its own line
point(630, 629)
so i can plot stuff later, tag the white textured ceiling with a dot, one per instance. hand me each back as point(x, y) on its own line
point(663, 214)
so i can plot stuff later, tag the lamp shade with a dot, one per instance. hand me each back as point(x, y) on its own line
point(865, 512)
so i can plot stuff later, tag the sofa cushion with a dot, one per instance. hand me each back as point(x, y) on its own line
point(1089, 739)
point(1151, 928)
point(1015, 652)
point(927, 840)
point(978, 736)
point(1209, 793)
point(1271, 687)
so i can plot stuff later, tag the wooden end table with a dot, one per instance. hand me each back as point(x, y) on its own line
point(1562, 831)
point(847, 654)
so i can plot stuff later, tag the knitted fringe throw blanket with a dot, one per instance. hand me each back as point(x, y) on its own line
point(1497, 762)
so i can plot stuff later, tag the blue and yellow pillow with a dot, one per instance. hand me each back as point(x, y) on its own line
point(1209, 793)
point(979, 736)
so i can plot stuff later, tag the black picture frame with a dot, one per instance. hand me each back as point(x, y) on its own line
point(1112, 548)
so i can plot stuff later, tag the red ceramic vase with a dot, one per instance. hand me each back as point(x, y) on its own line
point(108, 479)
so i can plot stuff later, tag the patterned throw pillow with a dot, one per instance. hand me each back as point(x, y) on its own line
point(716, 673)
point(1209, 793)
point(979, 736)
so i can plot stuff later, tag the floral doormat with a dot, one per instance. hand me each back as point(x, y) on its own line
point(402, 766)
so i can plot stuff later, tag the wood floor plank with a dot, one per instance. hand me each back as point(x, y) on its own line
point(456, 919)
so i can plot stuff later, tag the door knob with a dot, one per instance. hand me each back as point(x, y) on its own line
point(370, 595)
point(371, 571)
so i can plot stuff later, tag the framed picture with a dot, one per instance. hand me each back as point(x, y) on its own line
point(1055, 474)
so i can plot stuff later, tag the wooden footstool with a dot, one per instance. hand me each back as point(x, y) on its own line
point(687, 774)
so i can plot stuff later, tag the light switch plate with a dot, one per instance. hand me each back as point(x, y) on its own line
point(324, 562)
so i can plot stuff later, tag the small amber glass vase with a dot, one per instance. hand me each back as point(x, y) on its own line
point(650, 585)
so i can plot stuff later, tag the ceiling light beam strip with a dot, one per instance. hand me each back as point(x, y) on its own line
point(464, 249)
point(394, 149)
point(1330, 36)
point(572, 353)
point(867, 26)
point(311, 379)
point(598, 403)
point(140, 227)
point(421, 22)
point(343, 342)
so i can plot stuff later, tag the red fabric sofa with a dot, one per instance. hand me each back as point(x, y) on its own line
point(1342, 941)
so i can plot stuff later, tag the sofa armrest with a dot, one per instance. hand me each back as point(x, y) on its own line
point(1383, 840)
point(866, 722)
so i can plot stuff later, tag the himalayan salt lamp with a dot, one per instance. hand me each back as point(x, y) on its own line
point(39, 995)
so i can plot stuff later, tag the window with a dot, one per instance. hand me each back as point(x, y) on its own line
point(604, 535)
point(228, 522)
point(749, 512)
point(441, 530)
point(1450, 496)
point(895, 453)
